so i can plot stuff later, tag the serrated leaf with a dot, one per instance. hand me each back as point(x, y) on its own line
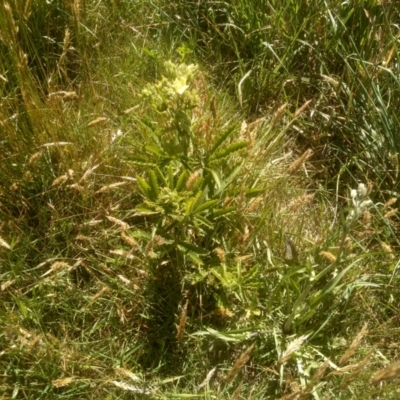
point(232, 148)
point(143, 186)
point(222, 139)
point(252, 273)
point(205, 206)
point(192, 202)
point(181, 183)
point(153, 184)
point(139, 234)
point(145, 210)
point(141, 163)
point(195, 258)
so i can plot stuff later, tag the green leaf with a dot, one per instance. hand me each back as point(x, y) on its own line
point(155, 150)
point(161, 177)
point(204, 221)
point(223, 211)
point(332, 284)
point(170, 176)
point(186, 247)
point(216, 178)
point(254, 192)
point(232, 336)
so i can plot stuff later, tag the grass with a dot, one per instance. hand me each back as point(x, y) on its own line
point(179, 205)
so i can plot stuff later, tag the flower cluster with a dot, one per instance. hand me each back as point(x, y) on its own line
point(171, 92)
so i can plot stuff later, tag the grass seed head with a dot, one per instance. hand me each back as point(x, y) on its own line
point(388, 250)
point(354, 345)
point(241, 361)
point(299, 162)
point(391, 213)
point(278, 115)
point(390, 202)
point(129, 240)
point(221, 254)
point(192, 179)
point(391, 372)
point(293, 346)
point(182, 322)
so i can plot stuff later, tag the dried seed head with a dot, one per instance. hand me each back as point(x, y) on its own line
point(392, 371)
point(300, 202)
point(34, 158)
point(243, 130)
point(366, 218)
point(255, 204)
point(60, 180)
point(388, 250)
point(124, 226)
point(107, 188)
point(353, 347)
point(391, 213)
point(182, 322)
point(278, 115)
point(292, 348)
point(96, 121)
point(328, 255)
point(192, 179)
point(299, 162)
point(356, 372)
point(221, 254)
point(390, 202)
point(315, 379)
point(301, 109)
point(241, 361)
point(129, 240)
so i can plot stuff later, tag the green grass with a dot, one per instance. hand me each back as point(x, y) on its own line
point(176, 218)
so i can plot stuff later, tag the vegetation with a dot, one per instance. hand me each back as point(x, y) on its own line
point(198, 199)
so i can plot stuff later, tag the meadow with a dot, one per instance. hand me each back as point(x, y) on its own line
point(198, 199)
